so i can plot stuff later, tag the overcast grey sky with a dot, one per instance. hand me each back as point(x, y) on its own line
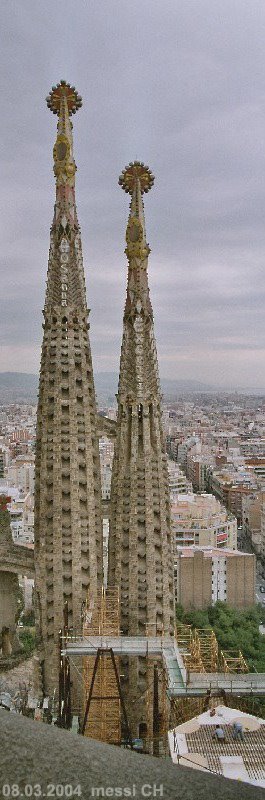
point(179, 84)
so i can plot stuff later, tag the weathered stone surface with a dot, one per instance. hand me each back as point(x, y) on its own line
point(68, 535)
point(14, 560)
point(11, 680)
point(34, 754)
point(140, 546)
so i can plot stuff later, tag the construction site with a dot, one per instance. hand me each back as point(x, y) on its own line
point(186, 674)
point(121, 672)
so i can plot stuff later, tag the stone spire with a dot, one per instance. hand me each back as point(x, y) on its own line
point(68, 535)
point(66, 284)
point(137, 179)
point(140, 550)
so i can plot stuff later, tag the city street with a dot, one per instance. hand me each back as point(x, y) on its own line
point(260, 581)
point(260, 597)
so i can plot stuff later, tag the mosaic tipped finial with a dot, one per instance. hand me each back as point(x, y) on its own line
point(64, 100)
point(64, 90)
point(136, 170)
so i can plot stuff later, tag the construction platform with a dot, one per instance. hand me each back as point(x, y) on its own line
point(180, 680)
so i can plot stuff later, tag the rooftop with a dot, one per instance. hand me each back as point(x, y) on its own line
point(192, 744)
point(209, 552)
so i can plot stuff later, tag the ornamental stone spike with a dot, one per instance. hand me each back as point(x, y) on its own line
point(68, 519)
point(136, 179)
point(140, 543)
point(64, 101)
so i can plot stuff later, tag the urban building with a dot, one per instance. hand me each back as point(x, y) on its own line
point(21, 511)
point(200, 519)
point(193, 444)
point(230, 486)
point(262, 538)
point(252, 505)
point(21, 473)
point(178, 483)
point(2, 463)
point(204, 575)
point(106, 451)
point(256, 465)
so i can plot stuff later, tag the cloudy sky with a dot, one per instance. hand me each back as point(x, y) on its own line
point(179, 84)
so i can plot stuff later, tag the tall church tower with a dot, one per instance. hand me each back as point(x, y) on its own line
point(68, 535)
point(140, 550)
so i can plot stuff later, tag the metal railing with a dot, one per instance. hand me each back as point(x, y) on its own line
point(188, 684)
point(193, 687)
point(125, 644)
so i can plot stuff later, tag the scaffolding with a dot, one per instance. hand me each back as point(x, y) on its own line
point(157, 704)
point(232, 662)
point(200, 652)
point(189, 648)
point(102, 697)
point(102, 707)
point(104, 651)
point(198, 647)
point(185, 708)
point(208, 648)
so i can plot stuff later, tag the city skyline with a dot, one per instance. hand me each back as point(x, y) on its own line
point(195, 73)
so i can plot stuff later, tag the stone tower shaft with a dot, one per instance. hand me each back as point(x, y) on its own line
point(140, 547)
point(68, 534)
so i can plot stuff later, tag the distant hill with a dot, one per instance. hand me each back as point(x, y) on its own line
point(173, 387)
point(22, 386)
point(19, 387)
point(107, 386)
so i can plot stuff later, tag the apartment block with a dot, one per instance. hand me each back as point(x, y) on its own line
point(204, 575)
point(251, 518)
point(262, 538)
point(21, 473)
point(231, 486)
point(200, 519)
point(178, 483)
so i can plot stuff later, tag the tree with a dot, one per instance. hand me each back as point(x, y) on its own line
point(235, 630)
